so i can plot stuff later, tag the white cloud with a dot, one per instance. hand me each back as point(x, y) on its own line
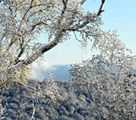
point(39, 70)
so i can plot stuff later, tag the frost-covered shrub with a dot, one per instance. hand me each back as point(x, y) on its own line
point(110, 80)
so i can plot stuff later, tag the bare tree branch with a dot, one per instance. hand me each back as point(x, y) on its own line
point(101, 8)
point(45, 48)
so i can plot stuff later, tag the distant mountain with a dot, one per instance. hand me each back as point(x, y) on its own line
point(40, 72)
point(61, 72)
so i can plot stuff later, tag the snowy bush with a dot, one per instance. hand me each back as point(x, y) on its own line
point(110, 79)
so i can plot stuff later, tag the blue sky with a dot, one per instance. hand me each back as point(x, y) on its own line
point(119, 15)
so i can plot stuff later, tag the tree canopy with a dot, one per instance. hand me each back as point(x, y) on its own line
point(108, 75)
point(22, 21)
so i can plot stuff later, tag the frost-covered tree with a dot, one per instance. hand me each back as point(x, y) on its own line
point(23, 21)
point(109, 78)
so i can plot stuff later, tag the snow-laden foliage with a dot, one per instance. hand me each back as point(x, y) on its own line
point(109, 76)
point(23, 21)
